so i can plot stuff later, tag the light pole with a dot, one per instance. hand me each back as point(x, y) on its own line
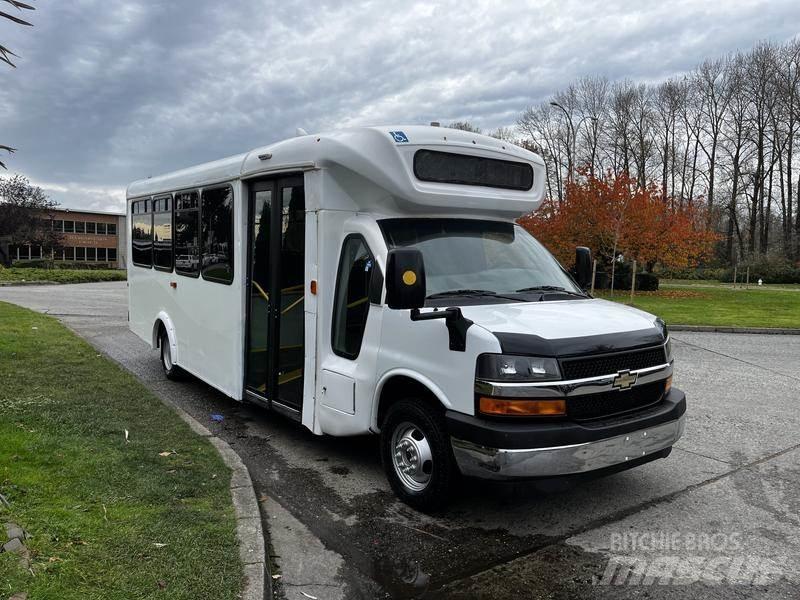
point(571, 137)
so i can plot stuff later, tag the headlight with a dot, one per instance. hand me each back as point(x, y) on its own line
point(500, 367)
point(662, 327)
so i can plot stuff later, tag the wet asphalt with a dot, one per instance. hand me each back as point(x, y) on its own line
point(719, 518)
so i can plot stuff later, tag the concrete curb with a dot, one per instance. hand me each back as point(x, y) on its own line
point(249, 531)
point(714, 329)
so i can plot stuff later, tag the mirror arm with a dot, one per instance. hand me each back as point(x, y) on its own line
point(457, 325)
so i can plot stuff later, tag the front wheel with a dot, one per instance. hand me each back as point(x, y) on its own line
point(416, 455)
point(171, 370)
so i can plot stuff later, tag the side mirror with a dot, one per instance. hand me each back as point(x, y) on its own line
point(405, 279)
point(583, 266)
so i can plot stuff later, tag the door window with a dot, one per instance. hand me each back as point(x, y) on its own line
point(291, 293)
point(351, 305)
point(258, 338)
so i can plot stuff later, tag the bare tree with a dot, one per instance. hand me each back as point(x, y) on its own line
point(6, 54)
point(724, 134)
point(464, 126)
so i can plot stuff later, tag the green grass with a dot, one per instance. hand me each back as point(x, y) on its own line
point(16, 274)
point(719, 305)
point(99, 507)
point(679, 283)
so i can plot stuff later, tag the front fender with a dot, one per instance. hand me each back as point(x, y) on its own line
point(418, 377)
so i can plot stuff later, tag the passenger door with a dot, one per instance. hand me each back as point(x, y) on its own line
point(276, 294)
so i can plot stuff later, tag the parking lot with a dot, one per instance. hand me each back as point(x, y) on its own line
point(719, 518)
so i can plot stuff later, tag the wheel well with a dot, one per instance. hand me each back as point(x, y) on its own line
point(399, 387)
point(158, 327)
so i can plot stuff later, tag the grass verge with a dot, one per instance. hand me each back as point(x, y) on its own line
point(146, 517)
point(719, 306)
point(17, 275)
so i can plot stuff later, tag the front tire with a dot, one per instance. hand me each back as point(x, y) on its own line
point(171, 370)
point(416, 455)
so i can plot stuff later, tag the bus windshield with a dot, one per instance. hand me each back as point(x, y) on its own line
point(473, 257)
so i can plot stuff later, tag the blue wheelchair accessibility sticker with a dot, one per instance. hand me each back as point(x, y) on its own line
point(399, 137)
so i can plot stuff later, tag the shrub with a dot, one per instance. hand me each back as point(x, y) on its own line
point(645, 282)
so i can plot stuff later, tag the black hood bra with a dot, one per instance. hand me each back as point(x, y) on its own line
point(528, 344)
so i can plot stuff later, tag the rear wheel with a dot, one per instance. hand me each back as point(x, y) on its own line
point(416, 455)
point(171, 370)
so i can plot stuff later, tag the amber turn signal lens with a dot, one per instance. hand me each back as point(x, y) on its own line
point(668, 385)
point(531, 408)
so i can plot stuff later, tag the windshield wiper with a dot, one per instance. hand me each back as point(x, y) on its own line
point(463, 293)
point(467, 292)
point(551, 288)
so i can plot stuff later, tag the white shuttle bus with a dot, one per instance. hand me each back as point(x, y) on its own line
point(373, 280)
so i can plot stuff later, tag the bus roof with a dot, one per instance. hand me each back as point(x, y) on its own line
point(382, 156)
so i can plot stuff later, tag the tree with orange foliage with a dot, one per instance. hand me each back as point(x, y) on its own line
point(614, 216)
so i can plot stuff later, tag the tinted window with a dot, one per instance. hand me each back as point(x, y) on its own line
point(217, 234)
point(101, 228)
point(90, 228)
point(80, 253)
point(464, 169)
point(111, 229)
point(112, 254)
point(141, 235)
point(101, 255)
point(80, 227)
point(162, 233)
point(187, 234)
point(91, 254)
point(351, 304)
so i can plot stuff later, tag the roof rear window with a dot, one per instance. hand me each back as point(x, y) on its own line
point(465, 169)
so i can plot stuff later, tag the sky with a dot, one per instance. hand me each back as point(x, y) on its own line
point(110, 91)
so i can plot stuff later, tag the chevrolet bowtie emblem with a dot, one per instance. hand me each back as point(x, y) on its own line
point(624, 380)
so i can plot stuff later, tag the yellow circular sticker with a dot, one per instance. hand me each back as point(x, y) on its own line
point(409, 278)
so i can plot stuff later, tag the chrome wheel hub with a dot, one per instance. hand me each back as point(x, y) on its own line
point(412, 457)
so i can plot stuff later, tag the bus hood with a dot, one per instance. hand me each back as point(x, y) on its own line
point(567, 327)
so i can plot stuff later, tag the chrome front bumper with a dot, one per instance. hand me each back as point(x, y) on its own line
point(496, 463)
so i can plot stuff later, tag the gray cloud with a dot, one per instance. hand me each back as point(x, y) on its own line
point(108, 91)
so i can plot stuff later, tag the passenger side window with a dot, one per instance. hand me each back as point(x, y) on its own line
point(187, 234)
point(357, 268)
point(217, 234)
point(141, 235)
point(162, 233)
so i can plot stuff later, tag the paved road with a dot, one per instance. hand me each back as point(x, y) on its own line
point(722, 509)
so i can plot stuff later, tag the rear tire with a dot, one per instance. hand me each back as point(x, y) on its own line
point(171, 370)
point(416, 455)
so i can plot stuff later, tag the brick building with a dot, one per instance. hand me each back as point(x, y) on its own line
point(87, 236)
